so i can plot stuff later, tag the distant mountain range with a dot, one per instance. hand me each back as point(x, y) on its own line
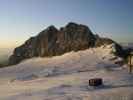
point(52, 42)
point(127, 45)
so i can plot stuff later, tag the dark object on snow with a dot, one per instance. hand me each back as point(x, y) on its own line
point(130, 62)
point(95, 82)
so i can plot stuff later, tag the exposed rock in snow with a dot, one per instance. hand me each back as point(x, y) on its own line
point(28, 77)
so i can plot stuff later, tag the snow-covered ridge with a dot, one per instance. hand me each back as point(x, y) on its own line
point(72, 61)
point(66, 77)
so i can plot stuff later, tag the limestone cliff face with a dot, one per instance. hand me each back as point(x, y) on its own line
point(52, 42)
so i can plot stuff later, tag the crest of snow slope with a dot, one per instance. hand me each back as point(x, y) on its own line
point(66, 77)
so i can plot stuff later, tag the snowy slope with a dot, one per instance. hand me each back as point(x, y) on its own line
point(66, 77)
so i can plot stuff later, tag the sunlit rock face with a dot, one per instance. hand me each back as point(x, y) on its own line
point(52, 42)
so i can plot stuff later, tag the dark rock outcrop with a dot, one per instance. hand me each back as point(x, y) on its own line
point(52, 42)
point(96, 82)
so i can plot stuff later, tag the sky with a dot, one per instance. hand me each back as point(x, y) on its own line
point(21, 19)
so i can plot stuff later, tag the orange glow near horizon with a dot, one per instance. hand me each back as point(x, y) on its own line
point(10, 43)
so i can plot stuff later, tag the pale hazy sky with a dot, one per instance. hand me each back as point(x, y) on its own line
point(20, 19)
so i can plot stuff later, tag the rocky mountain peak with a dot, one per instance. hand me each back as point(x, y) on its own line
point(51, 28)
point(53, 42)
